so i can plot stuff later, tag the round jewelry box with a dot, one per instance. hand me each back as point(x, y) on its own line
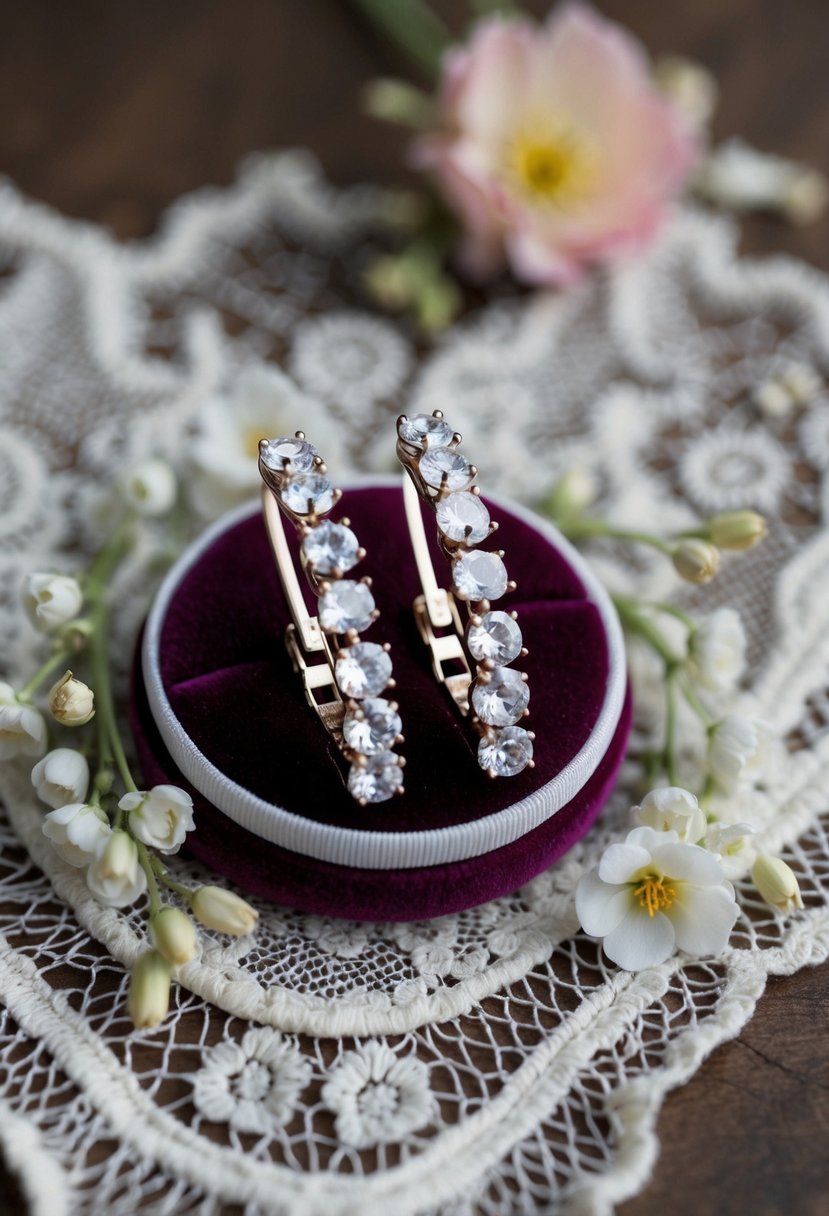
point(217, 708)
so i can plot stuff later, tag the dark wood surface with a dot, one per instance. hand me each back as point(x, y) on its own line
point(110, 110)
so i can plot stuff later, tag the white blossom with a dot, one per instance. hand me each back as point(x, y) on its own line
point(672, 810)
point(160, 817)
point(263, 403)
point(731, 844)
point(378, 1097)
point(22, 728)
point(253, 1086)
point(149, 487)
point(61, 777)
point(115, 877)
point(737, 750)
point(77, 830)
point(717, 651)
point(71, 702)
point(51, 600)
point(651, 895)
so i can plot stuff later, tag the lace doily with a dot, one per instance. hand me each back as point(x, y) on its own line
point(489, 1062)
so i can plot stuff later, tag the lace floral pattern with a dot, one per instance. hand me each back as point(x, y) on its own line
point(490, 1061)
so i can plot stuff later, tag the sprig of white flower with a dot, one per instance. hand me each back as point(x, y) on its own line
point(22, 728)
point(737, 750)
point(717, 651)
point(672, 809)
point(51, 600)
point(77, 831)
point(149, 488)
point(160, 817)
point(731, 844)
point(115, 877)
point(652, 895)
point(61, 777)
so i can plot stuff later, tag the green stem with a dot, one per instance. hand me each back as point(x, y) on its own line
point(672, 610)
point(186, 893)
point(696, 705)
point(145, 861)
point(582, 529)
point(635, 621)
point(412, 25)
point(55, 660)
point(97, 580)
point(669, 752)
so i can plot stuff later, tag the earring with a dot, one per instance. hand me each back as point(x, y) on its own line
point(487, 690)
point(345, 688)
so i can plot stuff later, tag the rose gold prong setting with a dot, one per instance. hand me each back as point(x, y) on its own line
point(344, 689)
point(488, 691)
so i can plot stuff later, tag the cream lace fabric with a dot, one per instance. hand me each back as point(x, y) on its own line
point(489, 1062)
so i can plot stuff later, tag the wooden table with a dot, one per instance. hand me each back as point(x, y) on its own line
point(110, 111)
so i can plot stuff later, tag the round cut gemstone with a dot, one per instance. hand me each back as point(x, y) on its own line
point(497, 638)
point(479, 576)
point(505, 752)
point(330, 548)
point(372, 727)
point(462, 516)
point(375, 779)
point(443, 468)
point(363, 670)
point(436, 431)
point(501, 699)
point(308, 494)
point(277, 454)
point(346, 605)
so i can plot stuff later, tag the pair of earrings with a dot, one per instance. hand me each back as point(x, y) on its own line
point(345, 678)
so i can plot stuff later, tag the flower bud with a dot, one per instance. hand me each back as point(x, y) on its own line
point(119, 856)
point(696, 560)
point(777, 883)
point(572, 493)
point(173, 935)
point(72, 703)
point(689, 85)
point(149, 997)
point(223, 911)
point(150, 488)
point(737, 529)
point(51, 600)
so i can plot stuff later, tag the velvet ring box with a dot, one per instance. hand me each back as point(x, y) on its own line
point(218, 709)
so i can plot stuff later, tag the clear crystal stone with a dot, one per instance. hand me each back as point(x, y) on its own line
point(372, 727)
point(330, 548)
point(362, 670)
point(497, 638)
point(436, 431)
point(479, 576)
point(376, 779)
point(462, 516)
point(505, 752)
point(501, 699)
point(278, 453)
point(308, 494)
point(346, 605)
point(443, 467)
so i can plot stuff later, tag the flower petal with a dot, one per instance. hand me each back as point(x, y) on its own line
point(640, 940)
point(703, 918)
point(688, 863)
point(600, 905)
point(621, 861)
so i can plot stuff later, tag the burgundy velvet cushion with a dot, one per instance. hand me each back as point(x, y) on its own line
point(230, 682)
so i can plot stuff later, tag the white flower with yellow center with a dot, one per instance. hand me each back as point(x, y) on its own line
point(262, 404)
point(652, 895)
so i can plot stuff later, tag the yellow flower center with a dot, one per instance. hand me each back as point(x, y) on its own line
point(552, 163)
point(653, 894)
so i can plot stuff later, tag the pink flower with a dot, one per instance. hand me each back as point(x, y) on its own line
point(556, 150)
